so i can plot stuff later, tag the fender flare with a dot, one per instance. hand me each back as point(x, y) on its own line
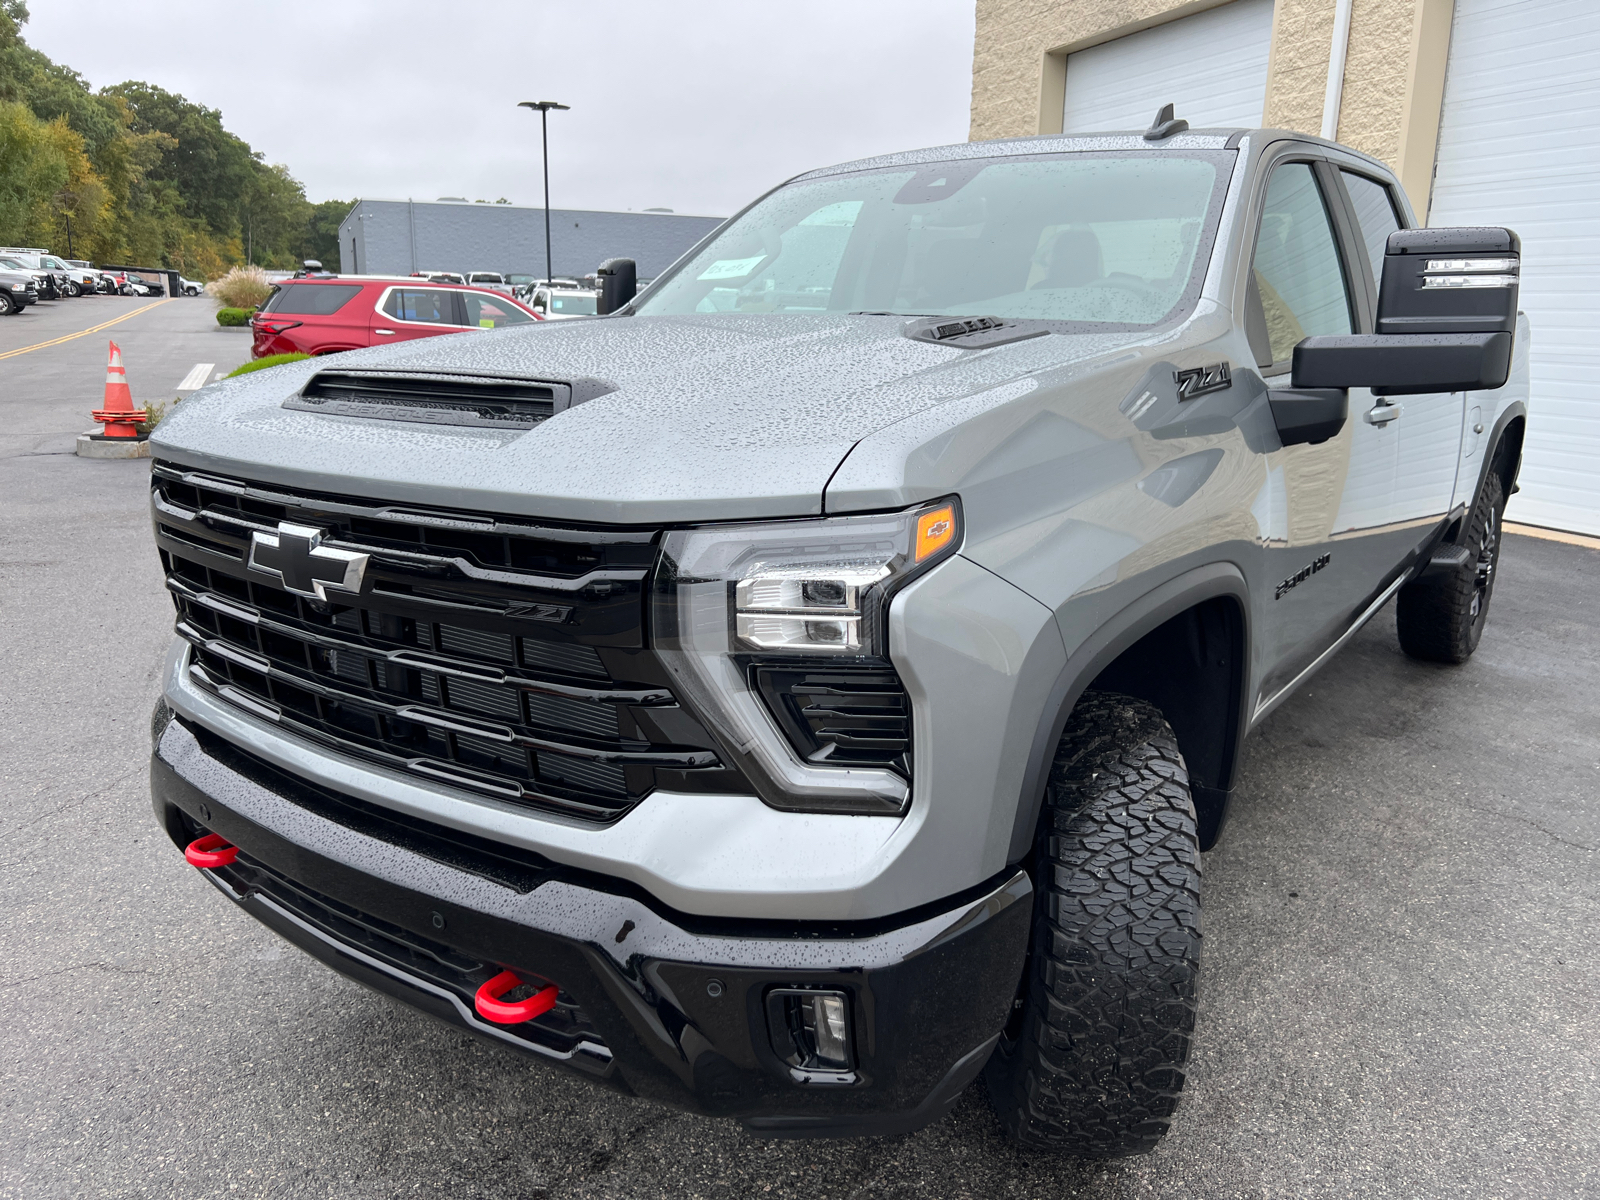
point(1099, 650)
point(1515, 411)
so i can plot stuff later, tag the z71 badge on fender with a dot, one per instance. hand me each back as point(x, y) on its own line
point(1197, 381)
point(1300, 576)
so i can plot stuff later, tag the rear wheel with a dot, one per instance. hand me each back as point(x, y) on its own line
point(1092, 1060)
point(1440, 617)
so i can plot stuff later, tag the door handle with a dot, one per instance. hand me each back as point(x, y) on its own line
point(388, 331)
point(1382, 414)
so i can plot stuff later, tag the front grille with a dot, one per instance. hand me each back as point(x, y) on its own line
point(502, 657)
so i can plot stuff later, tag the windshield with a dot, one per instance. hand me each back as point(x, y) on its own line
point(1104, 238)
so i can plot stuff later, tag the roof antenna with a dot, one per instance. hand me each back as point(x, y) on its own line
point(1165, 125)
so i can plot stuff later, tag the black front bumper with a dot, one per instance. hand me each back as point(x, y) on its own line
point(653, 1003)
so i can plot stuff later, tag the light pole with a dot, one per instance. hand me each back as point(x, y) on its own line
point(544, 107)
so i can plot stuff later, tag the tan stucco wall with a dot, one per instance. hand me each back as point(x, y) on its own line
point(1393, 79)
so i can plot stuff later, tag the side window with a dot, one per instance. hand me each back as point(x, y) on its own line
point(491, 312)
point(1299, 279)
point(422, 304)
point(1375, 214)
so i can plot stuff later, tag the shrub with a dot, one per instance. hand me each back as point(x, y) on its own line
point(234, 316)
point(241, 287)
point(271, 360)
point(154, 411)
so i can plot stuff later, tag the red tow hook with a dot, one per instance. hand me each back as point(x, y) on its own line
point(491, 1008)
point(213, 850)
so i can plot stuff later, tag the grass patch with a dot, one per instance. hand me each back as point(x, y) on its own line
point(271, 360)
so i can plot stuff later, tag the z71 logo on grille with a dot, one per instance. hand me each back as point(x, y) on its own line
point(297, 559)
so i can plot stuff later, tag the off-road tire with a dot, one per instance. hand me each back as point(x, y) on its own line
point(1092, 1060)
point(1440, 618)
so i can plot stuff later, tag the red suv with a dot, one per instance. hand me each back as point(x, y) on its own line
point(320, 316)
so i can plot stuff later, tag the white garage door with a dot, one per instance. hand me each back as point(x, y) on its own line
point(1212, 66)
point(1519, 145)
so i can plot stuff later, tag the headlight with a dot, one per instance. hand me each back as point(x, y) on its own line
point(19, 287)
point(778, 635)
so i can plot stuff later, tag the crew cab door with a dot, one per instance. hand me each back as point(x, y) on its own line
point(1429, 426)
point(1328, 510)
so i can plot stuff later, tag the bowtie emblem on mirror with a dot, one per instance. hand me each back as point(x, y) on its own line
point(296, 558)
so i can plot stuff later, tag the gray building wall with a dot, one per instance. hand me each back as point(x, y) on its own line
point(397, 237)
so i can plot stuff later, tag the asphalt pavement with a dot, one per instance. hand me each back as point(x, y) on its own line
point(1398, 990)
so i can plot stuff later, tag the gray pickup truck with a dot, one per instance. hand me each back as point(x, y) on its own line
point(810, 686)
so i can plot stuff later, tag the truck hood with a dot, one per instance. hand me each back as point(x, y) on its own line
point(711, 417)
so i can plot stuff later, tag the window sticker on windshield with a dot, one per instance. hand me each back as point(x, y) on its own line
point(485, 322)
point(731, 268)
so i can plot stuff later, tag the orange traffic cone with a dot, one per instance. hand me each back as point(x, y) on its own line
point(119, 416)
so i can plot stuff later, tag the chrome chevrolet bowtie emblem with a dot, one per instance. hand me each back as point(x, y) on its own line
point(296, 557)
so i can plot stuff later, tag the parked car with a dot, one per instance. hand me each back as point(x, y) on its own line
point(191, 287)
point(18, 289)
point(45, 283)
point(321, 316)
point(138, 285)
point(106, 283)
point(84, 275)
point(491, 280)
point(439, 276)
point(559, 303)
point(811, 686)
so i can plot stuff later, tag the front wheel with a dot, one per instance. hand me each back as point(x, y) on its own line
point(7, 305)
point(1092, 1060)
point(73, 290)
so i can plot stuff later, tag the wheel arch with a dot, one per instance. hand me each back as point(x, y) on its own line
point(1208, 607)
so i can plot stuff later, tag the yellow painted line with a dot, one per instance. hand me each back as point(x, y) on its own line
point(1553, 535)
point(86, 332)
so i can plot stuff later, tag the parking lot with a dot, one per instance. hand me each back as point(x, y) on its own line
point(1398, 995)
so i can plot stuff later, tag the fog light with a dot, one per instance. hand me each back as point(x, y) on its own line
point(810, 1031)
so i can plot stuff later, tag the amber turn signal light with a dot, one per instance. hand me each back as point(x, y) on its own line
point(936, 528)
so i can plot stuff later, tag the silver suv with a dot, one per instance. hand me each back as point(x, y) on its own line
point(811, 686)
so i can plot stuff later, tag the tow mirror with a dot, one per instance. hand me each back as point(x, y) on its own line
point(619, 283)
point(1447, 312)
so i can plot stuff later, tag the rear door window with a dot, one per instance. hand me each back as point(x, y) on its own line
point(1298, 272)
point(310, 299)
point(492, 312)
point(427, 306)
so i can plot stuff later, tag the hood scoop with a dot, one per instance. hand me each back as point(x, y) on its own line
point(442, 398)
point(973, 333)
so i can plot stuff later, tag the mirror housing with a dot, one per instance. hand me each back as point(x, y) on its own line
point(619, 283)
point(1447, 312)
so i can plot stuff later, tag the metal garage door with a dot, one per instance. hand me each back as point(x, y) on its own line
point(1519, 145)
point(1212, 65)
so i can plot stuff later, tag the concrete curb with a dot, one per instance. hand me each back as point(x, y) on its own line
point(97, 445)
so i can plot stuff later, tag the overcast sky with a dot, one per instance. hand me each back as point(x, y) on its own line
point(694, 105)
